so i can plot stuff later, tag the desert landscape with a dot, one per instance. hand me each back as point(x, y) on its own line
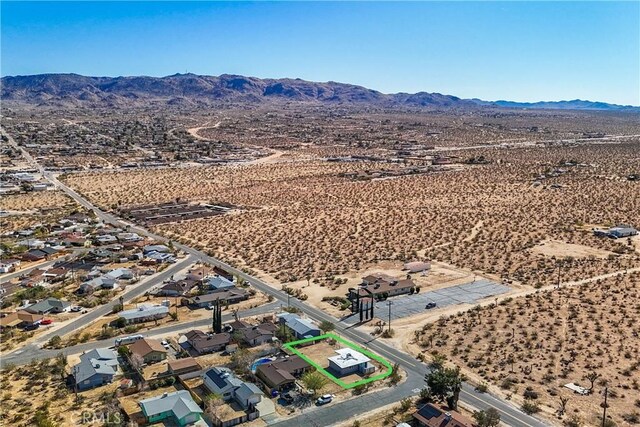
point(528, 348)
point(323, 214)
point(503, 204)
point(462, 217)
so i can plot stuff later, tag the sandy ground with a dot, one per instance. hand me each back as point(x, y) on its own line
point(561, 336)
point(554, 248)
point(19, 404)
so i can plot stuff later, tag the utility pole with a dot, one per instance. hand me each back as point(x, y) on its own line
point(604, 406)
point(389, 303)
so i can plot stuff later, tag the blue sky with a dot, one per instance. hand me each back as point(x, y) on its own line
point(521, 51)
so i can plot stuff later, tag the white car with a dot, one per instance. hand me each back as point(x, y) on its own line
point(324, 399)
point(165, 344)
point(76, 308)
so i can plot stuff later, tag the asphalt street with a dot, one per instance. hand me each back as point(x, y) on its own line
point(32, 351)
point(25, 354)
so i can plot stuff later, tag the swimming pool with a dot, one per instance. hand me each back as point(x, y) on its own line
point(262, 361)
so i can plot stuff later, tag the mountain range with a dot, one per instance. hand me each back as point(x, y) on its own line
point(73, 90)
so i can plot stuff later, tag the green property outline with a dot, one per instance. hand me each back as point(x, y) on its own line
point(368, 353)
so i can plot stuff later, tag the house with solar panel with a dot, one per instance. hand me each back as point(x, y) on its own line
point(242, 397)
point(430, 415)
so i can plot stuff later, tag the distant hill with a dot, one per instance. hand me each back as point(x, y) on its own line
point(576, 104)
point(189, 89)
point(73, 90)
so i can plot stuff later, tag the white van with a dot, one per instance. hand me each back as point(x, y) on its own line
point(128, 340)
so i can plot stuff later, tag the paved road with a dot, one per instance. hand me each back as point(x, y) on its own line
point(32, 351)
point(415, 369)
point(138, 290)
point(6, 277)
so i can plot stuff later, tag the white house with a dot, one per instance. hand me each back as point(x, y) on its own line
point(349, 361)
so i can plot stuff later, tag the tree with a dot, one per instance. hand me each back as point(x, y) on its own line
point(530, 406)
point(284, 334)
point(314, 381)
point(394, 378)
point(42, 419)
point(61, 365)
point(425, 395)
point(136, 361)
point(445, 384)
point(212, 402)
point(120, 322)
point(123, 351)
point(592, 377)
point(55, 341)
point(563, 405)
point(240, 360)
point(487, 418)
point(326, 326)
point(438, 360)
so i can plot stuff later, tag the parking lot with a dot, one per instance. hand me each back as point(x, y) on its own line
point(411, 305)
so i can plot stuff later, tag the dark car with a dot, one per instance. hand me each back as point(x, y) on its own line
point(32, 327)
point(431, 304)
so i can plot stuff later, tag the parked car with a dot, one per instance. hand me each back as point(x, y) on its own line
point(46, 322)
point(430, 304)
point(324, 399)
point(76, 308)
point(165, 344)
point(32, 327)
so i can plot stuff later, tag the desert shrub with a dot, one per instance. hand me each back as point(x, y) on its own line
point(530, 407)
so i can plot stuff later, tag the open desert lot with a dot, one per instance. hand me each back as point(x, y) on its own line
point(25, 210)
point(534, 345)
point(303, 219)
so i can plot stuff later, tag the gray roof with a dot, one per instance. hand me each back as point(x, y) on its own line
point(223, 295)
point(179, 402)
point(100, 354)
point(155, 248)
point(219, 282)
point(246, 390)
point(223, 379)
point(98, 361)
point(301, 327)
point(144, 311)
point(47, 305)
